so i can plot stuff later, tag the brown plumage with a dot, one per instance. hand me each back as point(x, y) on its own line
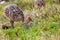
point(6, 0)
point(5, 26)
point(14, 13)
point(39, 3)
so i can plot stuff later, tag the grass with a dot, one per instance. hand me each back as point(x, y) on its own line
point(46, 25)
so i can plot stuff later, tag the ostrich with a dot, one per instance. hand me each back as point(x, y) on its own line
point(2, 1)
point(39, 3)
point(14, 14)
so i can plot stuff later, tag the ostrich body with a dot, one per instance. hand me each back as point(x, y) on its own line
point(13, 13)
point(39, 3)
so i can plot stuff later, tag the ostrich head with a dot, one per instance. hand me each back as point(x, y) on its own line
point(39, 3)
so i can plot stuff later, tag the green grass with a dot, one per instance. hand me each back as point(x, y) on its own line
point(44, 27)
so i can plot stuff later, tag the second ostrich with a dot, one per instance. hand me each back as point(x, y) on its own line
point(14, 13)
point(39, 3)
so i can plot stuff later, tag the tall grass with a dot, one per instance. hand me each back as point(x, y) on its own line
point(46, 22)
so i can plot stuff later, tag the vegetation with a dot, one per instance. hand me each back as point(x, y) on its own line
point(45, 26)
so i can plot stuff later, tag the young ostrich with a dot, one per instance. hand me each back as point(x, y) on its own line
point(39, 3)
point(14, 13)
point(2, 1)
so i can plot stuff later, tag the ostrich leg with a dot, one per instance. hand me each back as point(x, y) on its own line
point(12, 24)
